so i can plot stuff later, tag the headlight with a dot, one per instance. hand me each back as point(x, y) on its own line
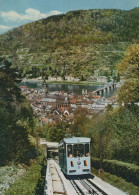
point(72, 163)
point(85, 162)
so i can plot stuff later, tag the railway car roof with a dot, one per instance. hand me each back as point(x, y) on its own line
point(75, 140)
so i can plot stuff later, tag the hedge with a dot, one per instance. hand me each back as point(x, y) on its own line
point(127, 171)
point(31, 183)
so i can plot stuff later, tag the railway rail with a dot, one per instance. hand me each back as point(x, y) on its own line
point(85, 185)
point(62, 184)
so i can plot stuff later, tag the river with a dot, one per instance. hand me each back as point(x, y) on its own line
point(75, 88)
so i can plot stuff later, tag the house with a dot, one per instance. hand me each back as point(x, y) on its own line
point(45, 121)
point(91, 78)
point(102, 79)
point(96, 97)
point(50, 78)
point(99, 105)
point(73, 100)
point(55, 100)
point(70, 118)
point(71, 78)
point(96, 73)
point(65, 109)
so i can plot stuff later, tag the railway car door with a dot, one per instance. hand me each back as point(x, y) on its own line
point(64, 158)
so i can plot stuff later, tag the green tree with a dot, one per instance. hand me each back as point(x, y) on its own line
point(120, 134)
point(54, 133)
point(79, 126)
point(129, 69)
point(14, 143)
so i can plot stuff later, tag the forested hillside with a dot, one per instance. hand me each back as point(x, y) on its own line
point(16, 118)
point(77, 42)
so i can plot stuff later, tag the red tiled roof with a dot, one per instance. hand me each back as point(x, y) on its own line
point(96, 96)
point(74, 100)
point(45, 120)
point(65, 108)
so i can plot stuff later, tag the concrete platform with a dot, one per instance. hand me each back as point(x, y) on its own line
point(53, 183)
point(106, 187)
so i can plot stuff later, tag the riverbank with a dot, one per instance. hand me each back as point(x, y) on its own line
point(36, 80)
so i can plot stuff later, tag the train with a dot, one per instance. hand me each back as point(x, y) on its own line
point(74, 156)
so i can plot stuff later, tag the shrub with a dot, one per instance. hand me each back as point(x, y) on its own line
point(127, 171)
point(31, 183)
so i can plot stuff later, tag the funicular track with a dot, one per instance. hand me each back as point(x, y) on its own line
point(83, 184)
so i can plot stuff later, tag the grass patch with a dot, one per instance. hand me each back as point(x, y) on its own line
point(122, 184)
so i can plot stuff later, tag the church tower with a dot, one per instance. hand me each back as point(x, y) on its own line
point(44, 88)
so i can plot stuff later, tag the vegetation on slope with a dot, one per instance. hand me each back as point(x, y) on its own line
point(32, 182)
point(129, 69)
point(16, 117)
point(8, 175)
point(119, 125)
point(78, 42)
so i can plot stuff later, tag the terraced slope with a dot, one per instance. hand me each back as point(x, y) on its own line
point(77, 42)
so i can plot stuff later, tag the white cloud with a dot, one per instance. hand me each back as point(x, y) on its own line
point(3, 28)
point(53, 12)
point(30, 15)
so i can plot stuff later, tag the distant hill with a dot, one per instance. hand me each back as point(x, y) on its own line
point(77, 42)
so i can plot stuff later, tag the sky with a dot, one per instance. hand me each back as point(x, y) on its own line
point(14, 13)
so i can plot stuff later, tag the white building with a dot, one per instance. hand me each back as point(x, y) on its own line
point(71, 78)
point(50, 78)
point(102, 79)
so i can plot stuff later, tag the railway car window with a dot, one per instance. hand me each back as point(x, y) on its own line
point(70, 154)
point(86, 149)
point(78, 150)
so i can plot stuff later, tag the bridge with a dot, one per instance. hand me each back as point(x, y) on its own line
point(110, 86)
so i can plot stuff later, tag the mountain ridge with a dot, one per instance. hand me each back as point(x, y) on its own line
point(78, 42)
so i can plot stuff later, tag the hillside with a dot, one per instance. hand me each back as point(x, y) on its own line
point(77, 42)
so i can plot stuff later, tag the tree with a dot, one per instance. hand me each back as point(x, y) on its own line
point(129, 69)
point(120, 134)
point(14, 110)
point(79, 126)
point(54, 133)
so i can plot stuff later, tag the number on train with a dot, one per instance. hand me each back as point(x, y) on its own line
point(74, 155)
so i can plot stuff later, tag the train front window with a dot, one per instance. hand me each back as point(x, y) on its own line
point(78, 150)
point(69, 148)
point(86, 149)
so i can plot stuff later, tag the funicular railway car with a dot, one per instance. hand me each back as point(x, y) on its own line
point(74, 155)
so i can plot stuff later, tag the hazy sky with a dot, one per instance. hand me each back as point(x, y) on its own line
point(15, 13)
